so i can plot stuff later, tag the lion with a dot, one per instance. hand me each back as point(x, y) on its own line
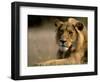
point(71, 37)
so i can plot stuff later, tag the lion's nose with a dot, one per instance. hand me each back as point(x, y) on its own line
point(63, 41)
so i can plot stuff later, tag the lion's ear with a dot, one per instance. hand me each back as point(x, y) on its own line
point(79, 25)
point(58, 23)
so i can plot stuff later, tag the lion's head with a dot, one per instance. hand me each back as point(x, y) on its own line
point(67, 33)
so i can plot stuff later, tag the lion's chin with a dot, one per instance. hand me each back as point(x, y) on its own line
point(64, 49)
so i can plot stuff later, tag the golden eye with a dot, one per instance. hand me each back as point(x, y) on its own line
point(61, 31)
point(70, 32)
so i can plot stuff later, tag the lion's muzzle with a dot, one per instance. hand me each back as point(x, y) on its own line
point(63, 45)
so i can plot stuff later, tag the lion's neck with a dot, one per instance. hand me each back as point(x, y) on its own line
point(76, 55)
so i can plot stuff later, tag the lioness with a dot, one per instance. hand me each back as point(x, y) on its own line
point(71, 37)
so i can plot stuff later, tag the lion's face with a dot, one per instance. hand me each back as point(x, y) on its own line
point(66, 35)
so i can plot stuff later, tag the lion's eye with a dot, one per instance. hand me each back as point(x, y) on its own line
point(61, 31)
point(70, 32)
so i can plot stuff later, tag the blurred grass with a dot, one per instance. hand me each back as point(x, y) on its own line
point(41, 44)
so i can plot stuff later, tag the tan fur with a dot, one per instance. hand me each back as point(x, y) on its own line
point(77, 54)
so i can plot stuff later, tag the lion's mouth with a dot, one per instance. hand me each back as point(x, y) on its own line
point(63, 47)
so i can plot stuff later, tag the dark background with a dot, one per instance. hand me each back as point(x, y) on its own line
point(37, 20)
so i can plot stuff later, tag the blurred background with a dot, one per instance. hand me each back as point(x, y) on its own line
point(41, 37)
